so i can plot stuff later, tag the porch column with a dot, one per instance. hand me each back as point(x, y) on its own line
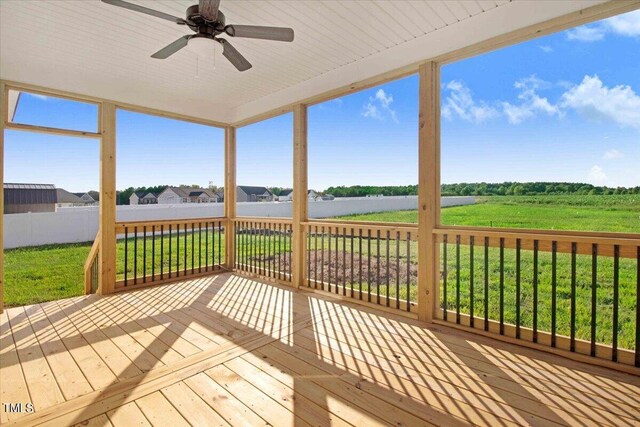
point(300, 200)
point(428, 190)
point(230, 195)
point(4, 107)
point(107, 279)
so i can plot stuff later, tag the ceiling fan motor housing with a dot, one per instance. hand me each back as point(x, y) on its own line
point(201, 25)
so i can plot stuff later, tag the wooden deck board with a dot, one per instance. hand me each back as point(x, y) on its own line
point(227, 350)
point(128, 415)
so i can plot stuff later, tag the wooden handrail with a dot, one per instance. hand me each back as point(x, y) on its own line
point(545, 238)
point(410, 233)
point(272, 220)
point(450, 229)
point(93, 253)
point(363, 223)
point(120, 226)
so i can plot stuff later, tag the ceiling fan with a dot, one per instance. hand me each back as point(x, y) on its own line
point(208, 22)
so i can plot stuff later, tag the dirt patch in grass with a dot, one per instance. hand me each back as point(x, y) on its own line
point(340, 268)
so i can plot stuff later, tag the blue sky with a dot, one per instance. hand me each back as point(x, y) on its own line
point(565, 107)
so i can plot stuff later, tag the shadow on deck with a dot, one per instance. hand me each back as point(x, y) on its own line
point(226, 350)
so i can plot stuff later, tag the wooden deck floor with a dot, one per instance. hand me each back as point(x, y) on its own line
point(227, 350)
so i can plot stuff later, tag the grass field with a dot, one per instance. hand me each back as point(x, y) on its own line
point(52, 272)
point(584, 213)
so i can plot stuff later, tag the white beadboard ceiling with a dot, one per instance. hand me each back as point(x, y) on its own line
point(91, 48)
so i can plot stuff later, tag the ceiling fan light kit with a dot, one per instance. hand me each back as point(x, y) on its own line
point(201, 46)
point(207, 22)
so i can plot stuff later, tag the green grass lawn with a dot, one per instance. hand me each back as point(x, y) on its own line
point(44, 273)
point(51, 272)
point(584, 213)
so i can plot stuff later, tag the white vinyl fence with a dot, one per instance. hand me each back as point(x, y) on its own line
point(80, 224)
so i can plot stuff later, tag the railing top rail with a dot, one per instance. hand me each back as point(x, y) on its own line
point(273, 220)
point(93, 252)
point(622, 239)
point(406, 233)
point(363, 223)
point(129, 224)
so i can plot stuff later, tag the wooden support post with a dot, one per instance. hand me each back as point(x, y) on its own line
point(4, 116)
point(107, 256)
point(229, 195)
point(428, 190)
point(300, 200)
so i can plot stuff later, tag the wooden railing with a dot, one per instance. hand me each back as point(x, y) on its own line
point(371, 262)
point(578, 292)
point(152, 252)
point(263, 247)
point(567, 291)
point(91, 267)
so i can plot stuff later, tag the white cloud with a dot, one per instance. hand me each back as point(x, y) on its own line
point(597, 175)
point(459, 102)
point(625, 25)
point(371, 111)
point(546, 48)
point(531, 103)
point(612, 154)
point(587, 33)
point(592, 99)
point(379, 104)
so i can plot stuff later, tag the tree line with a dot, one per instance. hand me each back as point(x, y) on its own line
point(485, 189)
point(460, 189)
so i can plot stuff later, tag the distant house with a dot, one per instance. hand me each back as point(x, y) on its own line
point(21, 198)
point(286, 196)
point(142, 198)
point(245, 193)
point(135, 197)
point(86, 198)
point(64, 199)
point(176, 195)
point(149, 199)
point(220, 195)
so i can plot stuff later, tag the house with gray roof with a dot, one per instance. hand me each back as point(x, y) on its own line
point(177, 195)
point(66, 199)
point(246, 193)
point(87, 199)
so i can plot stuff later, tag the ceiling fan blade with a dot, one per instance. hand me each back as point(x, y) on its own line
point(169, 50)
point(235, 57)
point(256, 32)
point(144, 10)
point(209, 9)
